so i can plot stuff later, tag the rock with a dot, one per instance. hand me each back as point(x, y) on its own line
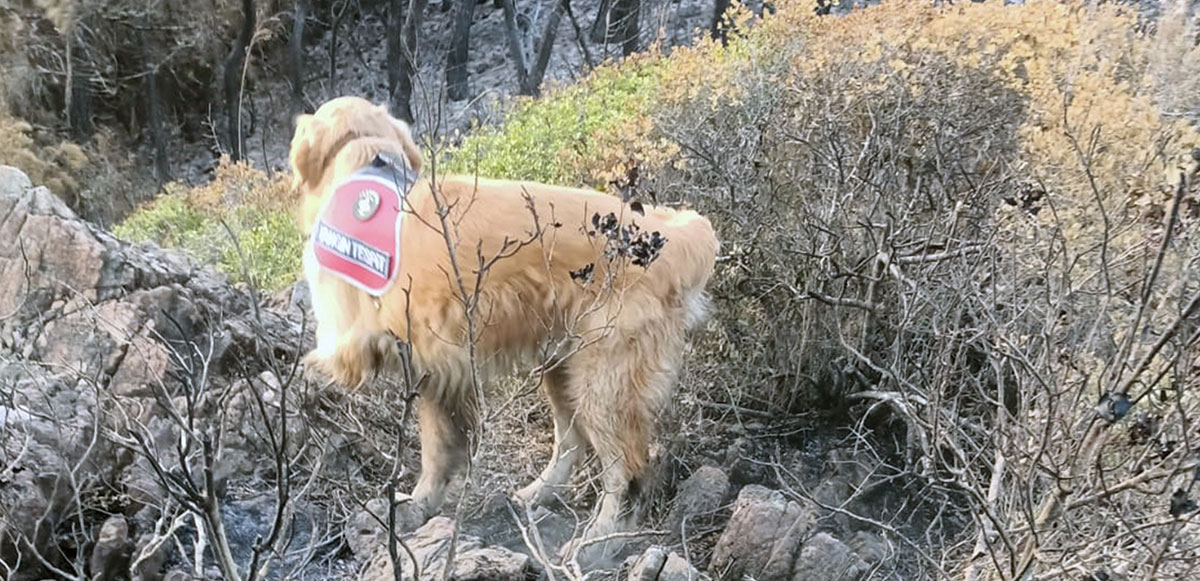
point(110, 554)
point(365, 532)
point(295, 299)
point(149, 567)
point(488, 563)
point(430, 545)
point(656, 564)
point(825, 558)
point(762, 537)
point(743, 470)
point(24, 502)
point(771, 538)
point(870, 547)
point(43, 442)
point(13, 182)
point(698, 500)
point(847, 474)
point(645, 567)
point(678, 569)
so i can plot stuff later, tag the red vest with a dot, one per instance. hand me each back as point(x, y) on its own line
point(357, 233)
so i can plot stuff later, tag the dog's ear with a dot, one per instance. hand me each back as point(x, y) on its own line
point(306, 155)
point(404, 134)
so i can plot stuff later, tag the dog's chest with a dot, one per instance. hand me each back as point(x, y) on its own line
point(357, 233)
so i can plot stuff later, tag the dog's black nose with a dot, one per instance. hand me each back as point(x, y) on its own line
point(379, 161)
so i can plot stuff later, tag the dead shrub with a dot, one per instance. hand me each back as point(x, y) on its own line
point(978, 218)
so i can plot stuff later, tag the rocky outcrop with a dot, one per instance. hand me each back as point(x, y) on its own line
point(424, 553)
point(98, 341)
point(772, 538)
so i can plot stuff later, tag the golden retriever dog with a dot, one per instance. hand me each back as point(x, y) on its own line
point(492, 273)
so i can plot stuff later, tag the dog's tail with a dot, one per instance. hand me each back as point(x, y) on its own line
point(693, 246)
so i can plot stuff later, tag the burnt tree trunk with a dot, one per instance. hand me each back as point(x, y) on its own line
point(457, 86)
point(233, 81)
point(78, 90)
point(718, 28)
point(296, 58)
point(154, 120)
point(601, 26)
point(626, 17)
point(530, 75)
point(583, 45)
point(335, 18)
point(538, 72)
point(404, 21)
point(618, 21)
point(514, 45)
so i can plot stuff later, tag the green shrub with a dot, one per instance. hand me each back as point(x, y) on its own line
point(550, 140)
point(171, 222)
point(238, 222)
point(271, 243)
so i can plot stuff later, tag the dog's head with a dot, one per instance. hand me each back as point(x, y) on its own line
point(342, 136)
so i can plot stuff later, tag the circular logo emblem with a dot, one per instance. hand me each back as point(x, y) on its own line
point(366, 205)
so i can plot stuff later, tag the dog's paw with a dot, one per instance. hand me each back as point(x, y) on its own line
point(382, 352)
point(356, 361)
point(590, 553)
point(317, 365)
point(344, 367)
point(410, 512)
point(539, 494)
point(531, 495)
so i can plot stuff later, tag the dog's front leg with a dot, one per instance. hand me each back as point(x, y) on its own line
point(444, 422)
point(353, 343)
point(355, 358)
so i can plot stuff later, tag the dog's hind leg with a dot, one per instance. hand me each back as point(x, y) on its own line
point(620, 391)
point(568, 442)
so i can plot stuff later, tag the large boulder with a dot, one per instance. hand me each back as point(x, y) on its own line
point(763, 536)
point(772, 538)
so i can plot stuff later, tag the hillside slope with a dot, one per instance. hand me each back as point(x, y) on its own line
point(955, 331)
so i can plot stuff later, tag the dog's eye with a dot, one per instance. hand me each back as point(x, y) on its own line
point(379, 161)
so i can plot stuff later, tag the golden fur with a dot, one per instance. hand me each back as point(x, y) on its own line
point(616, 342)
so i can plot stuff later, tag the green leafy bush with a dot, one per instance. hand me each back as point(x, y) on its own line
point(271, 245)
point(170, 221)
point(238, 222)
point(552, 140)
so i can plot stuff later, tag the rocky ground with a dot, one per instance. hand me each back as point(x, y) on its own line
point(141, 394)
